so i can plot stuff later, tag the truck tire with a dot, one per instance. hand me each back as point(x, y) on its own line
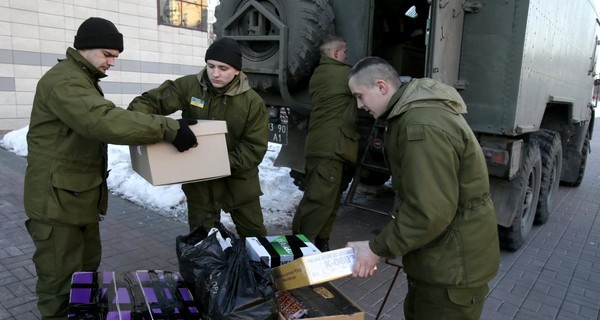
point(583, 161)
point(528, 185)
point(551, 151)
point(307, 21)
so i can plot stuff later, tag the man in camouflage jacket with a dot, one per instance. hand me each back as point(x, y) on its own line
point(65, 181)
point(445, 226)
point(331, 143)
point(220, 92)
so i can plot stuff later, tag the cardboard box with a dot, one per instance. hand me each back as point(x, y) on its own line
point(152, 294)
point(324, 302)
point(314, 269)
point(277, 250)
point(162, 164)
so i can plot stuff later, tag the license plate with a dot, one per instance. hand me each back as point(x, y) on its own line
point(278, 133)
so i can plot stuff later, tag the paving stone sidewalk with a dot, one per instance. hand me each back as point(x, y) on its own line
point(556, 275)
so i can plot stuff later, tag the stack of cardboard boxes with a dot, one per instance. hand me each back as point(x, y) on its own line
point(302, 274)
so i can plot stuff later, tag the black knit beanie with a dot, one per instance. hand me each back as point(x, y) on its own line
point(225, 50)
point(98, 33)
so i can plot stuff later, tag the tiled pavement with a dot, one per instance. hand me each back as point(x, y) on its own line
point(556, 275)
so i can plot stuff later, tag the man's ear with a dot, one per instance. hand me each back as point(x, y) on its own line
point(382, 86)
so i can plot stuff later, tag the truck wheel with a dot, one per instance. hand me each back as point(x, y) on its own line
point(551, 150)
point(583, 160)
point(528, 185)
point(307, 21)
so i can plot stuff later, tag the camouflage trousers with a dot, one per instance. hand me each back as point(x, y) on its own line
point(430, 302)
point(318, 208)
point(59, 252)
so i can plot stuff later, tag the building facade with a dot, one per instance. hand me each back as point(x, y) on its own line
point(163, 39)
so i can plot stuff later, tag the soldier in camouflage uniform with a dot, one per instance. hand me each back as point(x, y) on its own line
point(65, 181)
point(221, 92)
point(445, 225)
point(331, 143)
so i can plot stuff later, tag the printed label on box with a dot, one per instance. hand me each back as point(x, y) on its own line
point(314, 269)
point(323, 266)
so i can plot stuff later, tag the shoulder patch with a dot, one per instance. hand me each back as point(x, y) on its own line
point(415, 132)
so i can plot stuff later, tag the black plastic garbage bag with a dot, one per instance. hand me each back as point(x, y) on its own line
point(225, 283)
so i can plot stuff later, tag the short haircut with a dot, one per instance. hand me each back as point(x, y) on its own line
point(368, 70)
point(331, 41)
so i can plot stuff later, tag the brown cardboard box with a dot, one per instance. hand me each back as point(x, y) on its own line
point(314, 269)
point(162, 164)
point(325, 302)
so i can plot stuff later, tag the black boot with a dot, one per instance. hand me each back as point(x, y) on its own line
point(322, 244)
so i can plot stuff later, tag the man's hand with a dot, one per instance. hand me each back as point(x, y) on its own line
point(185, 138)
point(365, 261)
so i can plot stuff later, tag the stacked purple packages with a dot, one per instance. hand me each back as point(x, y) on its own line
point(139, 295)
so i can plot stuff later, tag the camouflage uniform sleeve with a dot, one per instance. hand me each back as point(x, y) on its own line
point(253, 143)
point(165, 99)
point(79, 106)
point(427, 166)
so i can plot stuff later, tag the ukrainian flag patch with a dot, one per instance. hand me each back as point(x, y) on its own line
point(197, 102)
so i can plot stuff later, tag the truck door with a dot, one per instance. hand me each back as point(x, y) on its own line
point(444, 41)
point(354, 22)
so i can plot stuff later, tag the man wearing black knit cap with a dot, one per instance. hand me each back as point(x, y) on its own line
point(65, 190)
point(220, 92)
point(96, 33)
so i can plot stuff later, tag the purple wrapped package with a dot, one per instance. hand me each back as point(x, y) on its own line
point(139, 295)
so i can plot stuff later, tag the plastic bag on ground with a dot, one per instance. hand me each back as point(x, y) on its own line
point(225, 283)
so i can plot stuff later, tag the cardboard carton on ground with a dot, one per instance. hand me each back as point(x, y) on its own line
point(144, 295)
point(321, 302)
point(314, 269)
point(162, 164)
point(277, 250)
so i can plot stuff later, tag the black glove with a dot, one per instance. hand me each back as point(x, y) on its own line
point(185, 138)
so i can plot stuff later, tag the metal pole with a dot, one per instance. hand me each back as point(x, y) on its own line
point(390, 288)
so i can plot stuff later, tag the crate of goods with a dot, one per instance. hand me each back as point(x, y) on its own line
point(323, 301)
point(143, 295)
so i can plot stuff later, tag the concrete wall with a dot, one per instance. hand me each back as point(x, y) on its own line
point(35, 33)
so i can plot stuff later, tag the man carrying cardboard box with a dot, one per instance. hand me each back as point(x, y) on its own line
point(65, 182)
point(220, 92)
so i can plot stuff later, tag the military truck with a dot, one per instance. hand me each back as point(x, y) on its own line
point(525, 69)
